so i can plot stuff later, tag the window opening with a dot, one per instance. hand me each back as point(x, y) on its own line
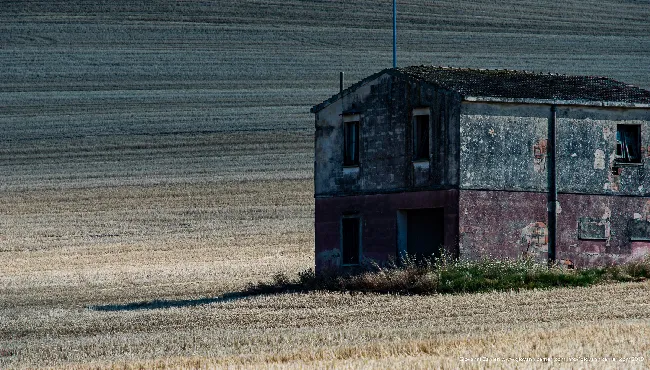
point(421, 138)
point(628, 143)
point(350, 240)
point(351, 150)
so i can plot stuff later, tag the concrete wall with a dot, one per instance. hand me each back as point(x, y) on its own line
point(379, 222)
point(497, 146)
point(592, 229)
point(609, 222)
point(385, 106)
point(502, 224)
point(586, 144)
point(603, 206)
point(503, 147)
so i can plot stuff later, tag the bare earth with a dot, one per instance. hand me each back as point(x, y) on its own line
point(157, 155)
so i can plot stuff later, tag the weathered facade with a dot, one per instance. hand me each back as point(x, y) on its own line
point(421, 159)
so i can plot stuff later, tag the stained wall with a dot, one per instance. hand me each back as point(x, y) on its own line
point(602, 209)
point(385, 107)
point(378, 215)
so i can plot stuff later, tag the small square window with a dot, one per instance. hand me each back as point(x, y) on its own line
point(628, 143)
point(421, 137)
point(590, 228)
point(351, 143)
point(350, 239)
point(639, 230)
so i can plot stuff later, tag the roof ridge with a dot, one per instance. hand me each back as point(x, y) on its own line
point(512, 84)
point(493, 70)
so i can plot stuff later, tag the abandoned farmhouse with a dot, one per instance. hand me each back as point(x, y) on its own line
point(477, 163)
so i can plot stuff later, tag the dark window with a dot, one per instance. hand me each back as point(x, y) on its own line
point(639, 230)
point(590, 228)
point(351, 240)
point(628, 143)
point(351, 150)
point(421, 138)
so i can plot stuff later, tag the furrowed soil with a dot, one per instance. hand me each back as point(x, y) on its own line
point(155, 156)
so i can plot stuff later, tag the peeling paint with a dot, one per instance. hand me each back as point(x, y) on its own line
point(645, 151)
point(605, 221)
point(614, 175)
point(539, 155)
point(534, 238)
point(566, 263)
point(599, 159)
point(646, 211)
point(607, 132)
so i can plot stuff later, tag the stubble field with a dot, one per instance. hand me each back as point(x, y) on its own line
point(161, 152)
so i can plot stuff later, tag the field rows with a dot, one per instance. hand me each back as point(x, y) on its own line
point(163, 151)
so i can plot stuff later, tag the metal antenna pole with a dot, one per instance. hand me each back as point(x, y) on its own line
point(394, 33)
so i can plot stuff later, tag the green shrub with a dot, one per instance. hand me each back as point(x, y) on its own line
point(445, 275)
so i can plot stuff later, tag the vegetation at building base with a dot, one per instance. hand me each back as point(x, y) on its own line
point(444, 275)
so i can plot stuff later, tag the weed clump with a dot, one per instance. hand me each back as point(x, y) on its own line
point(446, 275)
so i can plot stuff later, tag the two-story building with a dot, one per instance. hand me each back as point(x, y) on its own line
point(479, 163)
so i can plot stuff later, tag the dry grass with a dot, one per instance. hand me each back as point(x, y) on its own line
point(71, 304)
point(129, 243)
point(321, 328)
point(163, 151)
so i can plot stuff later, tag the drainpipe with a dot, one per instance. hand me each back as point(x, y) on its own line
point(394, 33)
point(552, 185)
point(341, 82)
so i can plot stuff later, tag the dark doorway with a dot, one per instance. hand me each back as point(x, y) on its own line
point(350, 240)
point(421, 232)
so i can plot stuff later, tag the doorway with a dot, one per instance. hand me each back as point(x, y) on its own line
point(420, 233)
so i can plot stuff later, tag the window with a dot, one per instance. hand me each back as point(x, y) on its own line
point(421, 134)
point(590, 228)
point(628, 143)
point(639, 230)
point(350, 239)
point(351, 141)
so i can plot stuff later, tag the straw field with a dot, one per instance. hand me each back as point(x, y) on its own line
point(156, 155)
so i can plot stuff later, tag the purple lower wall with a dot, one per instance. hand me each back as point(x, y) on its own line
point(497, 224)
point(379, 222)
point(612, 215)
point(592, 229)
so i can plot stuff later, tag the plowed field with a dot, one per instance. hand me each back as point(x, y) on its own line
point(163, 151)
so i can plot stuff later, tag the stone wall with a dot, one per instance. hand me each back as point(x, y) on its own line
point(378, 215)
point(385, 105)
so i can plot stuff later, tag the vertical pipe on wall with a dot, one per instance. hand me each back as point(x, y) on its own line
point(552, 185)
point(341, 82)
point(394, 33)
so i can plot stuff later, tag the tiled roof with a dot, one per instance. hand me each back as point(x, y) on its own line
point(521, 86)
point(501, 83)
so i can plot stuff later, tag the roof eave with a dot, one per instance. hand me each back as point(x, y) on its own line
point(590, 103)
point(319, 107)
